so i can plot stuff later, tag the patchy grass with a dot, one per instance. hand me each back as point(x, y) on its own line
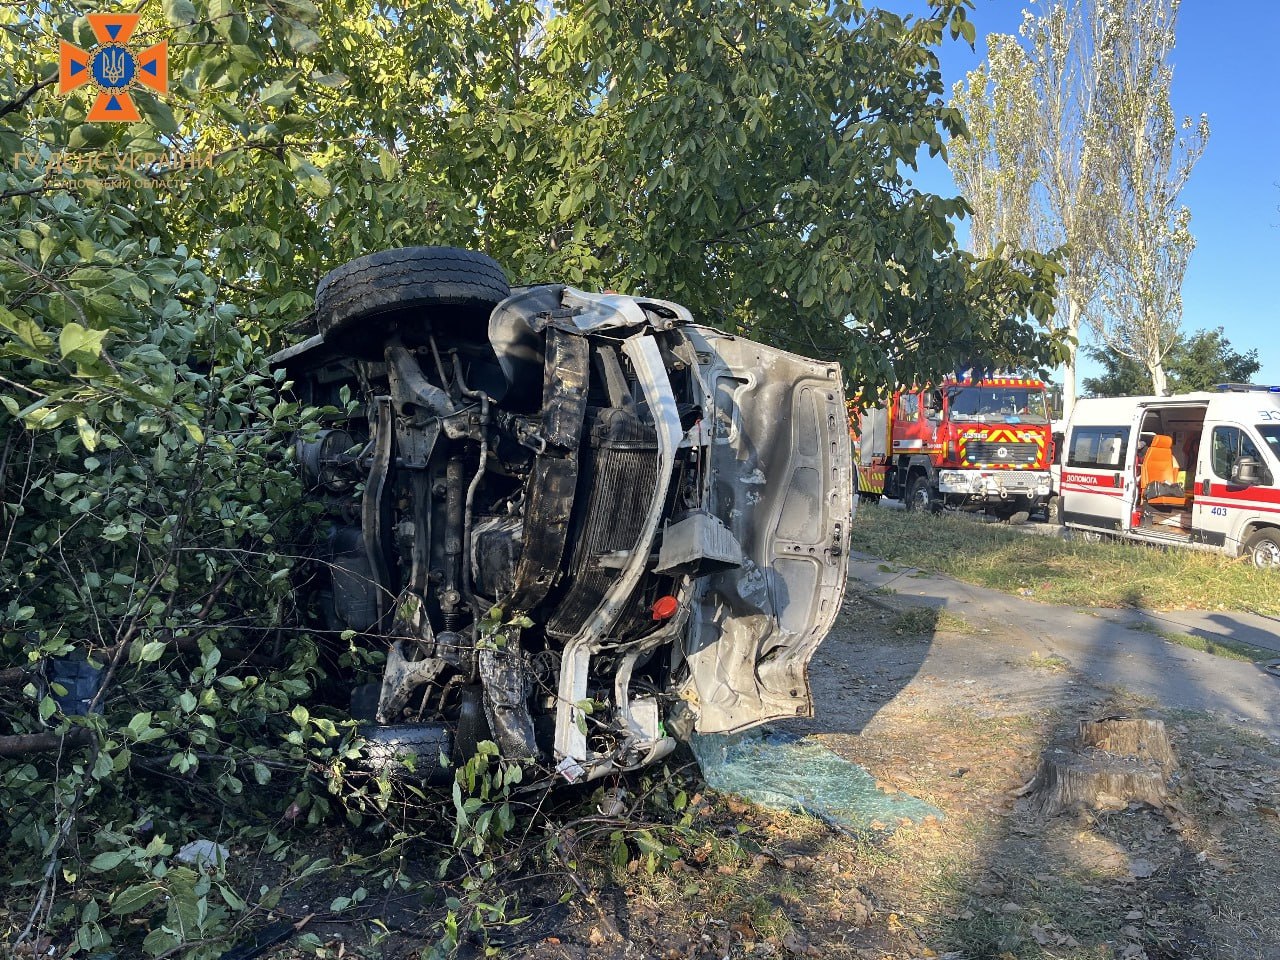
point(927, 621)
point(1053, 663)
point(1114, 574)
point(1218, 646)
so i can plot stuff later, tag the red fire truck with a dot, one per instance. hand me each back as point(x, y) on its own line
point(970, 443)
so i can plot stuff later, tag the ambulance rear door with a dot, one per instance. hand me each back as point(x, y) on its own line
point(1097, 465)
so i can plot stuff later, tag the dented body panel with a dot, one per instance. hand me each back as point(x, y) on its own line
point(782, 484)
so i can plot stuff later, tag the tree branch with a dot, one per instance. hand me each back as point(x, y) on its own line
point(21, 744)
point(14, 105)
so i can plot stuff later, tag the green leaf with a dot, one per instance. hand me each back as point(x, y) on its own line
point(232, 899)
point(108, 861)
point(301, 37)
point(77, 341)
point(277, 94)
point(388, 164)
point(132, 899)
point(180, 13)
point(86, 135)
point(88, 435)
point(221, 14)
point(140, 723)
point(151, 651)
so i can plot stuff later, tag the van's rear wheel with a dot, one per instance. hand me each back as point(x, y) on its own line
point(1263, 548)
point(414, 287)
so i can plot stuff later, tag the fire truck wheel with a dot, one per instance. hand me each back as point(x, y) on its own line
point(919, 497)
point(1263, 548)
point(1011, 513)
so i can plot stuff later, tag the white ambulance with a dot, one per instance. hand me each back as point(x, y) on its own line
point(1200, 470)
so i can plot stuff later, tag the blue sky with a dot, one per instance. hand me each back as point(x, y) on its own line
point(1225, 65)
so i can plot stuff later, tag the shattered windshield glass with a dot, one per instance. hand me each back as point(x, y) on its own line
point(1004, 404)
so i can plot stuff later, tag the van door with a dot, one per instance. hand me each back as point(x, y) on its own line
point(1224, 509)
point(782, 483)
point(1097, 476)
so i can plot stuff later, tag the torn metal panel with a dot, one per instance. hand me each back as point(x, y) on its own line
point(697, 545)
point(505, 675)
point(553, 481)
point(376, 508)
point(782, 483)
point(402, 675)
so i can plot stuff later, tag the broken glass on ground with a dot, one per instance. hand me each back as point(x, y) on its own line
point(787, 772)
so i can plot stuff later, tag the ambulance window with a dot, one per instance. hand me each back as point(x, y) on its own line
point(1271, 433)
point(1229, 445)
point(1098, 448)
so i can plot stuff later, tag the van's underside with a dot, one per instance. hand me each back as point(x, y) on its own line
point(579, 524)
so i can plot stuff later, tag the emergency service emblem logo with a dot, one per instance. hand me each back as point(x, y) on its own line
point(113, 68)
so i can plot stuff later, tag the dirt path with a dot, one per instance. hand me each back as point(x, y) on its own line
point(952, 694)
point(995, 635)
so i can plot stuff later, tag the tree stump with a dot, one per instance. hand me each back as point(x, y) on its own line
point(1112, 762)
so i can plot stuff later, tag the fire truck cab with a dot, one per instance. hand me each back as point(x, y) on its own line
point(1200, 470)
point(970, 443)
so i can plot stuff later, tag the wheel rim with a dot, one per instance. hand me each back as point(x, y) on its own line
point(1266, 555)
point(922, 498)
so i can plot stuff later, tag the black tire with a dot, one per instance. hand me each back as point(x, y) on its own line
point(357, 302)
point(1011, 514)
point(920, 497)
point(1053, 510)
point(1263, 548)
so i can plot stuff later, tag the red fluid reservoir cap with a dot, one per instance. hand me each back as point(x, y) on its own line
point(664, 608)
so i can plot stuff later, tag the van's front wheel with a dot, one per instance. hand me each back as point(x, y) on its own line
point(1263, 548)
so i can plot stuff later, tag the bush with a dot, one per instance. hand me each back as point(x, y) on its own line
point(148, 511)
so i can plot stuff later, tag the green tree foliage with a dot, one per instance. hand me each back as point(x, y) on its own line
point(1032, 165)
point(1148, 242)
point(1120, 376)
point(1199, 362)
point(751, 162)
point(1074, 140)
point(1206, 359)
point(748, 162)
